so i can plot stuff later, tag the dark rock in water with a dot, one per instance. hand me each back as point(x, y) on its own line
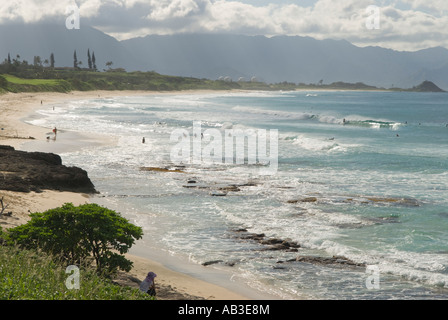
point(408, 202)
point(308, 199)
point(157, 169)
point(230, 188)
point(207, 263)
point(291, 244)
point(228, 263)
point(253, 236)
point(271, 243)
point(36, 171)
point(218, 194)
point(281, 246)
point(248, 184)
point(335, 260)
point(278, 268)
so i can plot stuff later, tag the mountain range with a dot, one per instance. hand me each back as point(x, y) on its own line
point(271, 59)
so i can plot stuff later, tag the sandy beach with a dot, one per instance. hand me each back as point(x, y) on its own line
point(172, 284)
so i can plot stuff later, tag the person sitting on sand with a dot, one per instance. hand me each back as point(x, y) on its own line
point(148, 284)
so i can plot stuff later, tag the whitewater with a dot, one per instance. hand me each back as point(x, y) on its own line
point(362, 178)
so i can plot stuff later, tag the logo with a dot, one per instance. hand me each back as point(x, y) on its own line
point(233, 146)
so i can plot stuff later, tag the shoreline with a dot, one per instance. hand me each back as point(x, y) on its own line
point(178, 279)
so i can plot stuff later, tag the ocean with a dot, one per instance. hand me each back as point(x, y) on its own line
point(358, 190)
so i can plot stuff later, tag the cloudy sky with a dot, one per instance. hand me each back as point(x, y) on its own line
point(403, 24)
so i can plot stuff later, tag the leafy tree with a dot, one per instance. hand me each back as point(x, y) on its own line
point(75, 233)
point(109, 64)
point(37, 62)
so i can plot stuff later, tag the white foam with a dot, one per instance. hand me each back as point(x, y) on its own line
point(262, 208)
point(275, 113)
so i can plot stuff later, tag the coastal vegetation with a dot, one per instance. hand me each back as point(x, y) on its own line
point(20, 76)
point(80, 234)
point(34, 275)
point(34, 256)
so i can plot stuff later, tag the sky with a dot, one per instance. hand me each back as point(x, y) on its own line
point(404, 25)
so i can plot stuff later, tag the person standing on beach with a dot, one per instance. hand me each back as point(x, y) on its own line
point(148, 285)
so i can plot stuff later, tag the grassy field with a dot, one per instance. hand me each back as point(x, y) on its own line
point(10, 83)
point(32, 82)
point(29, 275)
point(81, 80)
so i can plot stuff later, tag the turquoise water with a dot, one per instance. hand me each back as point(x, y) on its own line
point(373, 163)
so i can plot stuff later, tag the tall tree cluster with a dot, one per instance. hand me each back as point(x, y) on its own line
point(91, 61)
point(10, 64)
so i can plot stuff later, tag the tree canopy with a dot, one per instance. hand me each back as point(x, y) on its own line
point(76, 233)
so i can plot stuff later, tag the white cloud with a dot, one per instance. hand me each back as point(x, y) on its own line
point(433, 6)
point(30, 11)
point(405, 24)
point(173, 9)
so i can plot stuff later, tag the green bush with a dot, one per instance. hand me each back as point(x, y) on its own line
point(77, 233)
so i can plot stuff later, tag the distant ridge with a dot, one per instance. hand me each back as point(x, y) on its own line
point(427, 86)
point(275, 59)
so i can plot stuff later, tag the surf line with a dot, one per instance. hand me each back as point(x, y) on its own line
point(233, 146)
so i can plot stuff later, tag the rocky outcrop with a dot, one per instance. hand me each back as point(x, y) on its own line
point(269, 243)
point(399, 201)
point(35, 171)
point(326, 261)
point(217, 189)
point(308, 199)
